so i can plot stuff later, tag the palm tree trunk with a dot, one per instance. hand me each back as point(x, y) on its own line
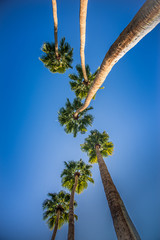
point(82, 20)
point(144, 21)
point(56, 225)
point(122, 223)
point(71, 211)
point(54, 5)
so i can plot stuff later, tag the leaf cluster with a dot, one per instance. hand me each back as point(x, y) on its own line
point(50, 208)
point(102, 139)
point(78, 84)
point(68, 175)
point(72, 125)
point(57, 64)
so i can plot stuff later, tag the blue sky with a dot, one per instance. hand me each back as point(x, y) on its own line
point(34, 145)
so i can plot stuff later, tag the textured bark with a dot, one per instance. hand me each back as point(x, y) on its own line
point(144, 21)
point(82, 20)
point(71, 211)
point(56, 225)
point(123, 225)
point(54, 5)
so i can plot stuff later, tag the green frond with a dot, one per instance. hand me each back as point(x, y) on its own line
point(90, 179)
point(51, 222)
point(93, 159)
point(76, 217)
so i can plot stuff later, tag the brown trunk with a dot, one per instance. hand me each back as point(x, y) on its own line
point(54, 5)
point(123, 225)
point(144, 21)
point(75, 116)
point(56, 225)
point(82, 20)
point(71, 211)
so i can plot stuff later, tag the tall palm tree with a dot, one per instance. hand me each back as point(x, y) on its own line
point(82, 21)
point(75, 178)
point(97, 146)
point(57, 60)
point(78, 84)
point(56, 210)
point(74, 124)
point(144, 21)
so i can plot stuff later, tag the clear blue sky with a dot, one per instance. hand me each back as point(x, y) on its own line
point(34, 145)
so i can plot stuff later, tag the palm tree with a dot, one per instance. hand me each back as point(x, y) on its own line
point(57, 210)
point(97, 146)
point(82, 21)
point(79, 85)
point(144, 21)
point(74, 124)
point(57, 60)
point(75, 178)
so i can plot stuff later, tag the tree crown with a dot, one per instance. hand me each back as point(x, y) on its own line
point(58, 201)
point(78, 85)
point(72, 124)
point(97, 138)
point(57, 64)
point(68, 175)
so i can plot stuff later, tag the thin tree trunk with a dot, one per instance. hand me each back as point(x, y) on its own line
point(82, 20)
point(54, 5)
point(144, 21)
point(56, 225)
point(123, 225)
point(71, 211)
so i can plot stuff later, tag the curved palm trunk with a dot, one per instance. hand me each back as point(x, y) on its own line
point(82, 20)
point(144, 21)
point(54, 5)
point(71, 212)
point(122, 223)
point(56, 225)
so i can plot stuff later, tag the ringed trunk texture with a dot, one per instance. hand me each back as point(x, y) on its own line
point(82, 20)
point(54, 5)
point(56, 225)
point(144, 21)
point(71, 211)
point(123, 225)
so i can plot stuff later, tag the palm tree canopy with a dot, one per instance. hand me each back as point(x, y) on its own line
point(74, 125)
point(97, 138)
point(57, 64)
point(78, 85)
point(50, 206)
point(68, 175)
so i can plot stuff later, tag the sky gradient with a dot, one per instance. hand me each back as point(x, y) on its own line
point(34, 145)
